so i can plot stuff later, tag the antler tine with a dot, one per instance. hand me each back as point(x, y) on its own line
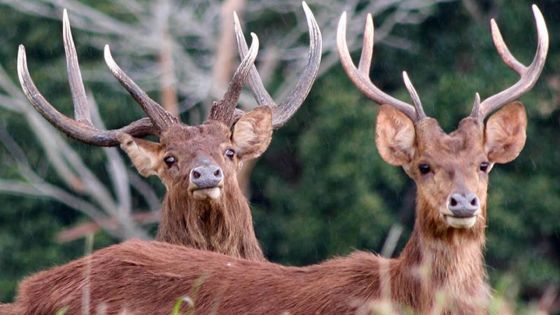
point(420, 114)
point(503, 50)
point(262, 96)
point(81, 106)
point(289, 106)
point(528, 74)
point(82, 128)
point(224, 109)
point(476, 106)
point(286, 108)
point(366, 57)
point(359, 76)
point(161, 118)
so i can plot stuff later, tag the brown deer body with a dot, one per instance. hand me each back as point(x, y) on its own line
point(149, 278)
point(447, 262)
point(440, 270)
point(204, 206)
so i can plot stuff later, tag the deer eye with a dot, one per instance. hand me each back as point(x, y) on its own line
point(484, 166)
point(424, 168)
point(229, 153)
point(169, 160)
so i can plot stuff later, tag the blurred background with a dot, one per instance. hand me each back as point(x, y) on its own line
point(321, 189)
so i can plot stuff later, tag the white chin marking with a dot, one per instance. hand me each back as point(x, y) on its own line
point(460, 223)
point(209, 193)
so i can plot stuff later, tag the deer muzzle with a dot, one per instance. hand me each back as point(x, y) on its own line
point(206, 182)
point(463, 209)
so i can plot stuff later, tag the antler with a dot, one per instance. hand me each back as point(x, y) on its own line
point(286, 108)
point(81, 128)
point(161, 118)
point(360, 75)
point(529, 75)
point(223, 110)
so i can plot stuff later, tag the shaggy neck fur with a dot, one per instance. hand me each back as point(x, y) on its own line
point(224, 226)
point(447, 267)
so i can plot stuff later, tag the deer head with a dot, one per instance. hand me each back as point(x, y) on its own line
point(197, 164)
point(450, 170)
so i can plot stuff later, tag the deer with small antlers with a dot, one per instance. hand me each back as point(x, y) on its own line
point(204, 206)
point(443, 257)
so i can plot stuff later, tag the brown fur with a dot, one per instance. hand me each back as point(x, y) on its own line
point(149, 277)
point(439, 263)
point(224, 225)
point(7, 309)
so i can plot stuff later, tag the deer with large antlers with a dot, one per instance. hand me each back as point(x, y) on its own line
point(204, 206)
point(443, 257)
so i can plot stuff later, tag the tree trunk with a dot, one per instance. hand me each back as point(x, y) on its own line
point(167, 80)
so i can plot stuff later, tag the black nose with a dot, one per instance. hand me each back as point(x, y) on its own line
point(206, 176)
point(463, 205)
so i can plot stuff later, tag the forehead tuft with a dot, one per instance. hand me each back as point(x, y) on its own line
point(211, 133)
point(468, 137)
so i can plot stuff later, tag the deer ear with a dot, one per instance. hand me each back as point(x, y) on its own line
point(145, 155)
point(394, 136)
point(252, 133)
point(505, 133)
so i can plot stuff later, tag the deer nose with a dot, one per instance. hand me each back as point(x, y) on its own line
point(463, 205)
point(206, 176)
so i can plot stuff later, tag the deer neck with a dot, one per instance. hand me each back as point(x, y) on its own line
point(224, 226)
point(445, 261)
